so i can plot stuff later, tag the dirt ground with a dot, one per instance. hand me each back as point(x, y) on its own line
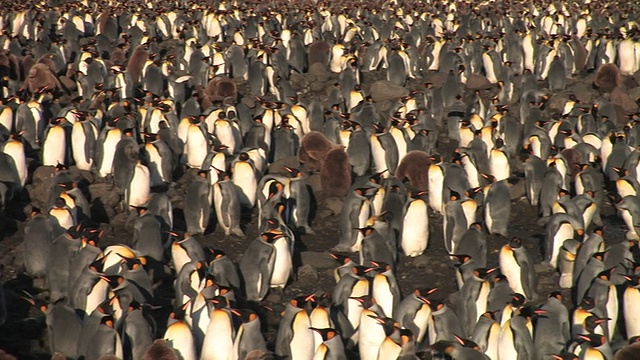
point(24, 334)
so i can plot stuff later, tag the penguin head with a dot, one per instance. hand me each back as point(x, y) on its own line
point(114, 281)
point(388, 324)
point(341, 259)
point(594, 340)
point(515, 242)
point(245, 315)
point(270, 237)
point(179, 235)
point(468, 343)
point(362, 271)
point(461, 258)
point(380, 266)
point(326, 334)
point(606, 274)
point(108, 321)
point(592, 322)
point(220, 302)
point(517, 300)
point(444, 347)
point(293, 172)
point(304, 301)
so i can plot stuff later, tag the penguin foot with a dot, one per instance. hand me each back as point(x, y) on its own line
point(237, 232)
point(308, 230)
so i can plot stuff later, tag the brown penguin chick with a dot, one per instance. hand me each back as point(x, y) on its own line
point(136, 62)
point(159, 350)
point(47, 59)
point(221, 89)
point(118, 56)
point(629, 352)
point(314, 146)
point(608, 77)
point(27, 63)
point(319, 52)
point(40, 76)
point(335, 172)
point(415, 167)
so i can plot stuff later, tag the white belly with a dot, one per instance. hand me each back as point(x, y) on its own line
point(282, 265)
point(196, 147)
point(179, 337)
point(140, 186)
point(510, 268)
point(631, 301)
point(108, 151)
point(565, 232)
point(155, 165)
point(54, 148)
point(415, 229)
point(378, 154)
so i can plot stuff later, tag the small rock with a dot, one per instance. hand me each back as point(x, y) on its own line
point(382, 90)
point(307, 272)
point(620, 96)
point(316, 260)
point(421, 261)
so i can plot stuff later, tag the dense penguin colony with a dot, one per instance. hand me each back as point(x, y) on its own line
point(206, 129)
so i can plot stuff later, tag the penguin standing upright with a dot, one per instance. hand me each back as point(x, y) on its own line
point(198, 204)
point(414, 238)
point(474, 298)
point(497, 207)
point(38, 243)
point(227, 205)
point(244, 177)
point(264, 265)
point(516, 265)
point(356, 210)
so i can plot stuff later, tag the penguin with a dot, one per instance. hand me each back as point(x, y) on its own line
point(497, 207)
point(38, 243)
point(55, 143)
point(351, 287)
point(179, 337)
point(185, 249)
point(486, 334)
point(223, 269)
point(219, 338)
point(384, 150)
point(384, 288)
point(148, 235)
point(295, 339)
point(630, 298)
point(516, 265)
point(244, 177)
point(474, 244)
point(414, 313)
point(84, 134)
point(444, 323)
point(515, 340)
point(198, 204)
point(335, 172)
point(534, 170)
point(248, 337)
point(566, 261)
point(196, 143)
point(331, 347)
point(414, 237)
point(258, 264)
point(560, 228)
point(299, 199)
point(474, 298)
point(106, 340)
point(605, 296)
point(552, 330)
point(138, 333)
point(355, 212)
point(227, 205)
point(64, 327)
